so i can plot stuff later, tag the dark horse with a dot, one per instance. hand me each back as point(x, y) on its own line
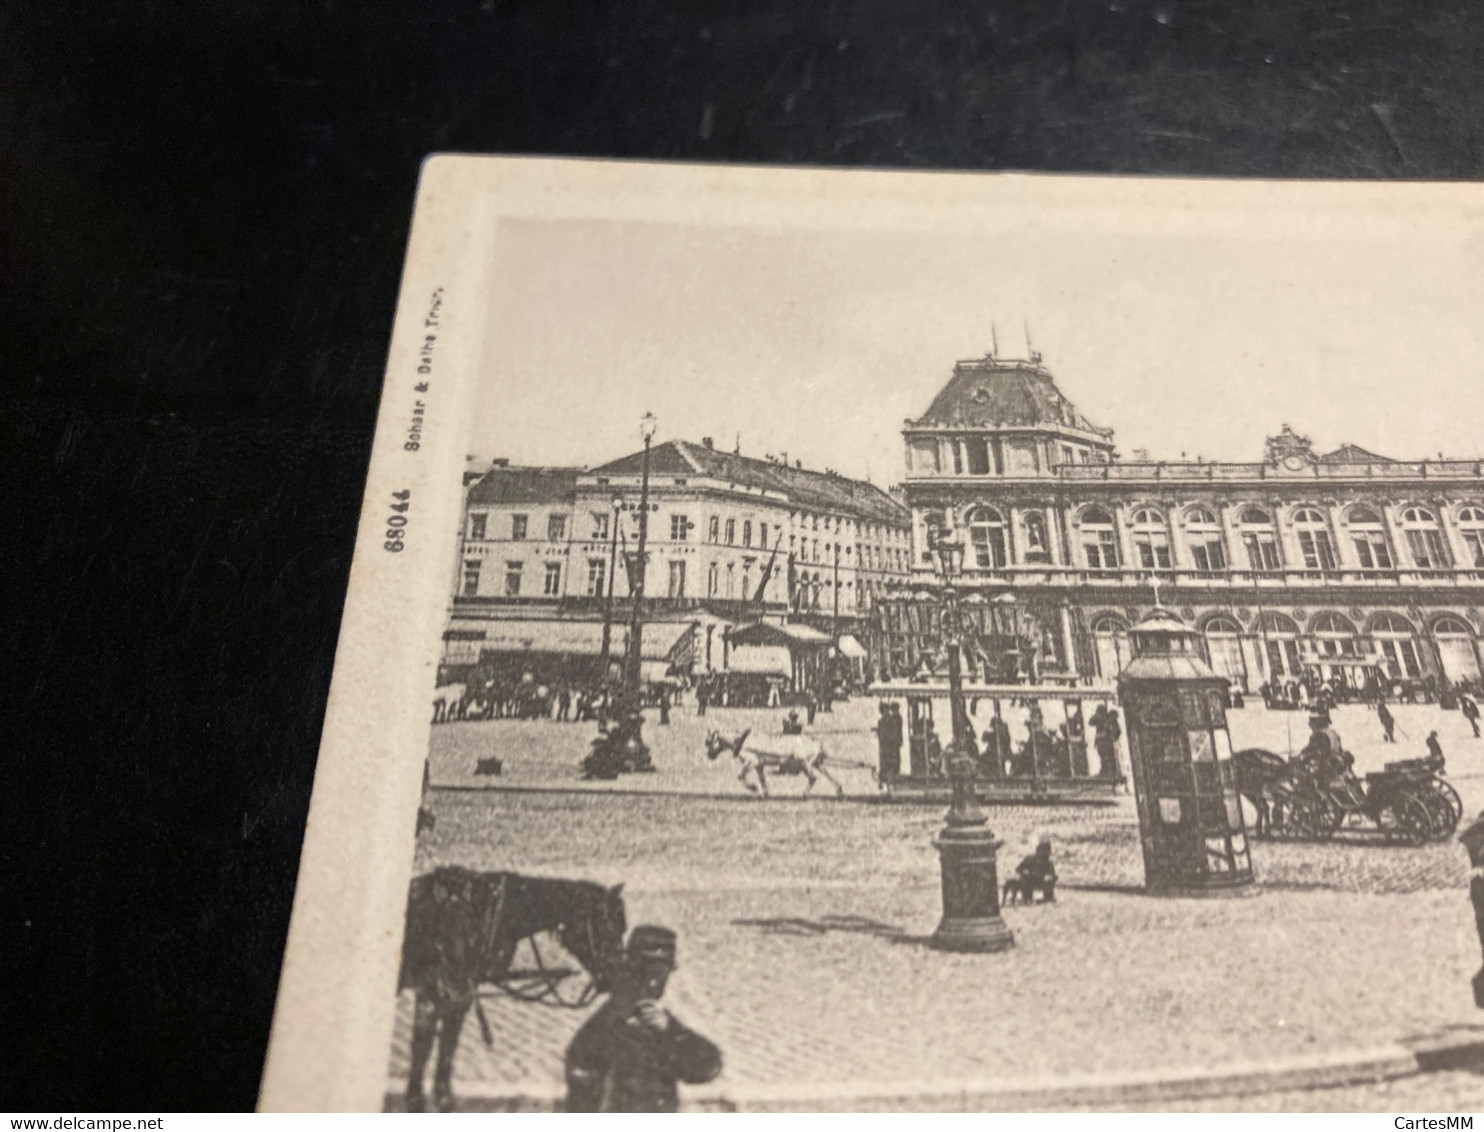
point(1268, 782)
point(462, 931)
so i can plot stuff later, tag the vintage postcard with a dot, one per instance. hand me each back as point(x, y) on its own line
point(882, 641)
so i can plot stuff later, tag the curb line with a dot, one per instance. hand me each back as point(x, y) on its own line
point(1093, 1091)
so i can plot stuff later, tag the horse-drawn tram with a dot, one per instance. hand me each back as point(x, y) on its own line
point(1033, 742)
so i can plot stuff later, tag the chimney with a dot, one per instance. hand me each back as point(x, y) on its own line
point(500, 462)
point(707, 443)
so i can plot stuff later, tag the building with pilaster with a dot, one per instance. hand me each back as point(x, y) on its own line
point(731, 540)
point(1347, 565)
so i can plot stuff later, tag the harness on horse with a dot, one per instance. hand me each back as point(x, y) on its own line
point(542, 985)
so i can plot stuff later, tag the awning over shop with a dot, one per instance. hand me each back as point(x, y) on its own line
point(666, 641)
point(769, 660)
point(850, 647)
point(789, 636)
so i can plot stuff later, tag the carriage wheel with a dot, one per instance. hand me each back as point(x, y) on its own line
point(1440, 810)
point(1404, 819)
point(1328, 817)
point(1455, 803)
point(1300, 820)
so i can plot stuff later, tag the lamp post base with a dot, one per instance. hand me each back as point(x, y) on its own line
point(981, 935)
point(971, 896)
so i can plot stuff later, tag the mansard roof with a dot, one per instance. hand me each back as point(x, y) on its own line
point(991, 392)
point(824, 491)
point(503, 484)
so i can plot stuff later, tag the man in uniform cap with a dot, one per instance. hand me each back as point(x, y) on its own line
point(629, 1056)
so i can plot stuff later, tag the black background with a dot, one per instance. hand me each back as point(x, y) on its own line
point(203, 211)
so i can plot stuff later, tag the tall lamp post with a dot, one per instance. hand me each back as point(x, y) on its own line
point(966, 847)
point(612, 573)
point(636, 614)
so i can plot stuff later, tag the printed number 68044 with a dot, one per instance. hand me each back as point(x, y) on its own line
point(396, 523)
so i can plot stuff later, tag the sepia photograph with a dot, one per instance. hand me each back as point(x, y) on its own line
point(836, 641)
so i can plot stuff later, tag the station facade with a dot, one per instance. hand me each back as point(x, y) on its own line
point(1344, 566)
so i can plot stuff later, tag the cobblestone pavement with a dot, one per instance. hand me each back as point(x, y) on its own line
point(543, 754)
point(803, 929)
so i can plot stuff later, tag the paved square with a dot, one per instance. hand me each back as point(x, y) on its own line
point(803, 923)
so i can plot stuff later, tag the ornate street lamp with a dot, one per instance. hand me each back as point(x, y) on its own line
point(631, 717)
point(612, 573)
point(966, 847)
point(636, 614)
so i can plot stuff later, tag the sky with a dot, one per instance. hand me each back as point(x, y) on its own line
point(819, 343)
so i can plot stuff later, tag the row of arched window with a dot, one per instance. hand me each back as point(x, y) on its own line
point(1426, 545)
point(1273, 623)
point(1335, 644)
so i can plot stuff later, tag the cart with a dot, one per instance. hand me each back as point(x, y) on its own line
point(1407, 802)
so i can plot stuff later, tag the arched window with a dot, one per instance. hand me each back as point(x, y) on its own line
point(1394, 636)
point(1314, 539)
point(1110, 643)
point(1151, 539)
point(1391, 623)
point(1332, 624)
point(1334, 638)
point(1279, 623)
point(1471, 526)
point(1455, 644)
point(1279, 635)
point(1203, 534)
point(987, 537)
point(1425, 539)
point(1224, 649)
point(1369, 536)
point(1099, 540)
point(1037, 547)
point(1259, 540)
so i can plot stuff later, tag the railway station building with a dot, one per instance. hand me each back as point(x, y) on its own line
point(1347, 566)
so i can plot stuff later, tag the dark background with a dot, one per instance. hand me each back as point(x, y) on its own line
point(203, 210)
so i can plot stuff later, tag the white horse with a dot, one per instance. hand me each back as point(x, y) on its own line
point(448, 702)
point(783, 754)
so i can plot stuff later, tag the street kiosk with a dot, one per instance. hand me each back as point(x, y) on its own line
point(1190, 818)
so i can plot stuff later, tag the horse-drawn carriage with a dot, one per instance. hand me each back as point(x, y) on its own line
point(1312, 798)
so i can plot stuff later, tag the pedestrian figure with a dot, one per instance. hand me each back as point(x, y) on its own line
point(1470, 712)
point(888, 742)
point(811, 704)
point(934, 754)
point(631, 1054)
point(1108, 731)
point(1434, 748)
point(1388, 722)
point(564, 704)
point(997, 745)
point(1034, 874)
point(665, 706)
point(703, 694)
